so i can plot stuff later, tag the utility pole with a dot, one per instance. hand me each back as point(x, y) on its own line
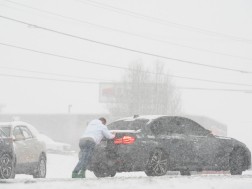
point(2, 106)
point(69, 108)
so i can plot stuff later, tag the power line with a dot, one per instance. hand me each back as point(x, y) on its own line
point(53, 74)
point(126, 32)
point(48, 79)
point(86, 82)
point(64, 57)
point(124, 48)
point(166, 22)
point(216, 89)
point(122, 68)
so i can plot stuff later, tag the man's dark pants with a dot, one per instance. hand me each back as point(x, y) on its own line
point(87, 146)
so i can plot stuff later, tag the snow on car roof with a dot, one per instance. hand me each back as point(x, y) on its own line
point(2, 124)
point(13, 123)
point(148, 117)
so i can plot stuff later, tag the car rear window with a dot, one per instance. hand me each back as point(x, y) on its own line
point(128, 125)
point(6, 130)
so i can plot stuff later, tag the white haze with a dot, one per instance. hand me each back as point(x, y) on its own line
point(20, 95)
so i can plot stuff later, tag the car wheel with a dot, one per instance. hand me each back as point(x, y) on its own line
point(6, 167)
point(157, 164)
point(185, 173)
point(236, 162)
point(103, 170)
point(41, 168)
point(113, 174)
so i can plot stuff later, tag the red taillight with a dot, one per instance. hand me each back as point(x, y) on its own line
point(124, 140)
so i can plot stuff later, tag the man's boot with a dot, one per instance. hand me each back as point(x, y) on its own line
point(82, 174)
point(75, 175)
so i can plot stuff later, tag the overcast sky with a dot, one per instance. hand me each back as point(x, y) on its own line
point(210, 40)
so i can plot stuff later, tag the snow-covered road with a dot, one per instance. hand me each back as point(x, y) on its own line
point(60, 167)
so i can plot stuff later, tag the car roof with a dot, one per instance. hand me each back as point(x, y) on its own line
point(151, 118)
point(13, 123)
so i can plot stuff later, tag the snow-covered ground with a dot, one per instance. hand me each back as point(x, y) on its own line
point(60, 168)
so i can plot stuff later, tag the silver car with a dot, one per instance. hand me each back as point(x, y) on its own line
point(29, 154)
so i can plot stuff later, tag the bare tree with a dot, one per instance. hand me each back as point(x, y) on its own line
point(142, 93)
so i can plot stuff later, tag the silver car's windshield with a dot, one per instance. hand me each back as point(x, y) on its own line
point(2, 133)
point(6, 130)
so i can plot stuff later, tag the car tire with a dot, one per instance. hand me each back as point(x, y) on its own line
point(113, 174)
point(7, 169)
point(157, 164)
point(13, 175)
point(103, 170)
point(236, 162)
point(185, 173)
point(40, 171)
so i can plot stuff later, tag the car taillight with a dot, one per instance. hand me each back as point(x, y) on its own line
point(124, 140)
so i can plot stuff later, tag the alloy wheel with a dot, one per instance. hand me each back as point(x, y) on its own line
point(6, 166)
point(157, 165)
point(42, 168)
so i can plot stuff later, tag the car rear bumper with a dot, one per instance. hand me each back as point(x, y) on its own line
point(121, 157)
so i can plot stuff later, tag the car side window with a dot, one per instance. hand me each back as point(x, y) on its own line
point(192, 128)
point(157, 128)
point(26, 132)
point(163, 126)
point(168, 126)
point(178, 125)
point(173, 126)
point(17, 133)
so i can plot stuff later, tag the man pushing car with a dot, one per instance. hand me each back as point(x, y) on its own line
point(94, 133)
